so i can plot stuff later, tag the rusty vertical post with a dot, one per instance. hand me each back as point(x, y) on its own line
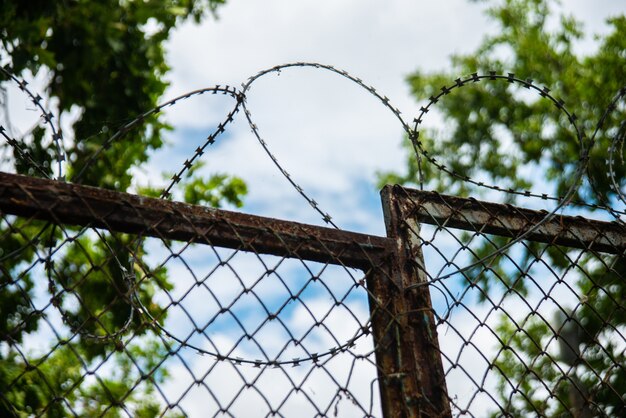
point(411, 377)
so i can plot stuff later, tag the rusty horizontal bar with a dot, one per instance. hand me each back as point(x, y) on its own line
point(75, 204)
point(511, 221)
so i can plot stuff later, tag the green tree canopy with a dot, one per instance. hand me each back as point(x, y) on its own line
point(472, 143)
point(105, 62)
point(496, 133)
point(105, 57)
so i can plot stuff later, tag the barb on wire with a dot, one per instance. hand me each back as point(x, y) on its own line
point(246, 88)
point(256, 295)
point(615, 154)
point(57, 137)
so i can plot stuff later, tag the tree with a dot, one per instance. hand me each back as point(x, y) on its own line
point(495, 133)
point(105, 63)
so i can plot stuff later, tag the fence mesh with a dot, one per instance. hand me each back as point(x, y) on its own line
point(527, 327)
point(121, 305)
point(189, 329)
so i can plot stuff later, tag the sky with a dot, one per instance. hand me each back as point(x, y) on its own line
point(331, 135)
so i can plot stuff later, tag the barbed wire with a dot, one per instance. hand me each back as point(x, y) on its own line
point(616, 148)
point(57, 137)
point(413, 132)
point(247, 86)
point(134, 270)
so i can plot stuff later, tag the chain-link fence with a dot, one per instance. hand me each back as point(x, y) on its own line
point(125, 305)
point(266, 317)
point(259, 317)
point(530, 306)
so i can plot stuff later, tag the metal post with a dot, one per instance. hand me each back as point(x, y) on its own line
point(412, 380)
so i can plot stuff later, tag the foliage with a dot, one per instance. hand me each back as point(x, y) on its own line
point(105, 63)
point(497, 134)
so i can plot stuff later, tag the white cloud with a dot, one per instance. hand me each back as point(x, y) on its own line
point(327, 132)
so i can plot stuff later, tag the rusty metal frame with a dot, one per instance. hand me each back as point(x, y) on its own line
point(410, 369)
point(74, 204)
point(510, 221)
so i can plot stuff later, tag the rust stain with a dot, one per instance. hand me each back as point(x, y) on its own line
point(123, 212)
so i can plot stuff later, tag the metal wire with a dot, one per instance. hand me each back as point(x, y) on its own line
point(252, 316)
